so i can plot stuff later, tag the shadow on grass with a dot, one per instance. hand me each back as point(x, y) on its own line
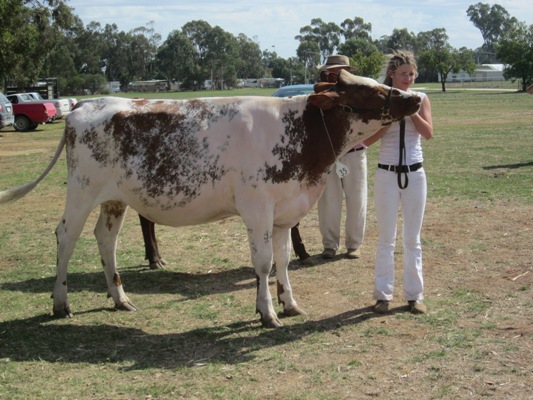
point(510, 166)
point(142, 280)
point(43, 338)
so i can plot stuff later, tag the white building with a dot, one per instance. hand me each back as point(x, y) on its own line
point(483, 73)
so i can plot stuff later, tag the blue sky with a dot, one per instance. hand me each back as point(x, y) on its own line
point(275, 23)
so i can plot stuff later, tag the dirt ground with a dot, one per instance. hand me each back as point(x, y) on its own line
point(476, 341)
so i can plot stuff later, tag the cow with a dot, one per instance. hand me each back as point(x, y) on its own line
point(188, 162)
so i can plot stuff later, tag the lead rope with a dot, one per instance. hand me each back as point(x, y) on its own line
point(402, 157)
point(327, 132)
point(341, 169)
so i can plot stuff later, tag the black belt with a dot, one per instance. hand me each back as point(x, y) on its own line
point(355, 149)
point(403, 168)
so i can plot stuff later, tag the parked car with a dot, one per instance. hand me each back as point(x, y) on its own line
point(61, 105)
point(6, 112)
point(294, 90)
point(29, 115)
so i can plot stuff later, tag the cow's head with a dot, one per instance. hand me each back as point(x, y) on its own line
point(365, 97)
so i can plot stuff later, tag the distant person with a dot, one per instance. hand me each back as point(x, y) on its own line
point(400, 180)
point(353, 187)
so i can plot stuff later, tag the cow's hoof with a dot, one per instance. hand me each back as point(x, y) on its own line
point(158, 264)
point(271, 323)
point(292, 312)
point(125, 306)
point(63, 312)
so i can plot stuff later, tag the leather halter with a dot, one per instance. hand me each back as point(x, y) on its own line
point(384, 112)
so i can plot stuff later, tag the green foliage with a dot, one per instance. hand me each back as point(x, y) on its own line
point(493, 21)
point(368, 65)
point(515, 49)
point(30, 31)
point(441, 58)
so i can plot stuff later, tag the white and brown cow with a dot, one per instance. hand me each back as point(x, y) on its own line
point(194, 161)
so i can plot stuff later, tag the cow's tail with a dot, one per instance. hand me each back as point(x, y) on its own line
point(17, 193)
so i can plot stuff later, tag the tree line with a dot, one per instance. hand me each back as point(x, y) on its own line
point(46, 39)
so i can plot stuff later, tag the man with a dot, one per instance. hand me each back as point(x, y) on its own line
point(353, 186)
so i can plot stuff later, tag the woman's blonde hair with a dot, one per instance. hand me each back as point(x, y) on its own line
point(397, 58)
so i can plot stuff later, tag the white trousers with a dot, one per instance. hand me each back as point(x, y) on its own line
point(354, 187)
point(387, 198)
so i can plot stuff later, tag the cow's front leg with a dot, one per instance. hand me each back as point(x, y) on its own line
point(261, 249)
point(112, 215)
point(282, 251)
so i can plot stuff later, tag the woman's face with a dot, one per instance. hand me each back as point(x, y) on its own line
point(404, 76)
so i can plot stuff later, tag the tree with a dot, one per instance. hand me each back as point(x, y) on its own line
point(222, 58)
point(326, 37)
point(309, 55)
point(515, 49)
point(149, 40)
point(91, 49)
point(176, 58)
point(353, 46)
point(442, 58)
point(217, 54)
point(400, 39)
point(197, 32)
point(115, 54)
point(368, 64)
point(249, 64)
point(364, 55)
point(356, 29)
point(493, 22)
point(31, 29)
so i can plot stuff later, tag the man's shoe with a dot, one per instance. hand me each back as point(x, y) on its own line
point(328, 254)
point(417, 307)
point(353, 254)
point(381, 307)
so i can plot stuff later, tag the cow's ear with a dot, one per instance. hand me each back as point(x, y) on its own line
point(323, 100)
point(322, 86)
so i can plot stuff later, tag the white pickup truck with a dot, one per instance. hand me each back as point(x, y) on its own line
point(62, 105)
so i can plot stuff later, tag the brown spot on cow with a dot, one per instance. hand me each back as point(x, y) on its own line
point(113, 210)
point(304, 134)
point(162, 138)
point(116, 279)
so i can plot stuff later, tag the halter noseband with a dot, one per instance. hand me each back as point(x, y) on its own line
point(384, 112)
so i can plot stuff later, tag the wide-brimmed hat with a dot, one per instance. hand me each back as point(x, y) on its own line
point(336, 61)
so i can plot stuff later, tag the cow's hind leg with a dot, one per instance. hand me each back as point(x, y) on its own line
point(67, 233)
point(112, 215)
point(282, 251)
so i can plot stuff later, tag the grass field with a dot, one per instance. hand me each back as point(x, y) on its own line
point(196, 335)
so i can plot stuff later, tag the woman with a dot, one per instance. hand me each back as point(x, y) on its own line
point(401, 180)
